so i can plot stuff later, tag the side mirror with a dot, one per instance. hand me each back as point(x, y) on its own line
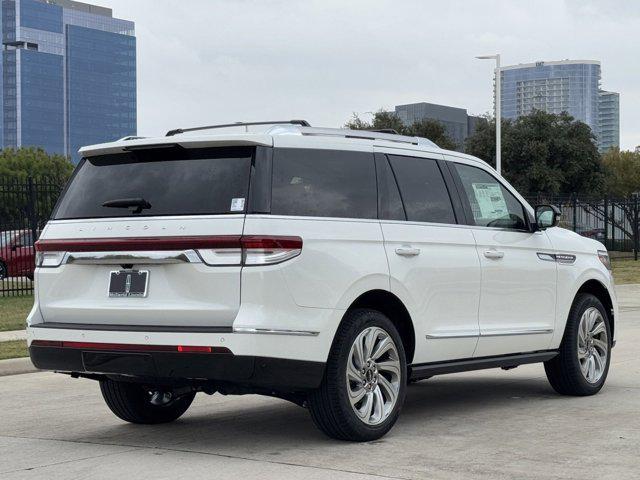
point(15, 247)
point(547, 216)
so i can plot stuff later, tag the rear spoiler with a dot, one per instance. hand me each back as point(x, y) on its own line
point(128, 144)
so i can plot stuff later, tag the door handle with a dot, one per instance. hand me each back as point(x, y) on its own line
point(407, 251)
point(493, 254)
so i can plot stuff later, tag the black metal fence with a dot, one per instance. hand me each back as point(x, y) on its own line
point(614, 222)
point(25, 207)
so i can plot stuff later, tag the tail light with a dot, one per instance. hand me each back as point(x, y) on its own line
point(247, 250)
point(269, 250)
point(49, 259)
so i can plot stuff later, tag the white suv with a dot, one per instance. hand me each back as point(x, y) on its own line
point(327, 267)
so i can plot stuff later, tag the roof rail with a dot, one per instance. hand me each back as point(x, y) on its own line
point(302, 123)
point(129, 138)
point(367, 135)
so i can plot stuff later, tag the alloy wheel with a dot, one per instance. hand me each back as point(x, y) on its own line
point(373, 375)
point(593, 345)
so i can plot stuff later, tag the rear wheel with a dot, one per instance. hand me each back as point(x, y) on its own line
point(582, 365)
point(3, 271)
point(136, 403)
point(365, 379)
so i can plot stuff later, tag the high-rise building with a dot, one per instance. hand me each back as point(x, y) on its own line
point(458, 124)
point(609, 120)
point(68, 75)
point(571, 86)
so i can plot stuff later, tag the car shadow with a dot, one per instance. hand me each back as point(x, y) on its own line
point(265, 426)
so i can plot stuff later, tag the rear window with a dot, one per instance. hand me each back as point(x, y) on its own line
point(324, 183)
point(172, 181)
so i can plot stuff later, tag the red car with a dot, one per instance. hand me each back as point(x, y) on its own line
point(16, 254)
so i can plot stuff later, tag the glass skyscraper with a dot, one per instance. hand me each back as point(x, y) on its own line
point(68, 75)
point(571, 86)
point(609, 120)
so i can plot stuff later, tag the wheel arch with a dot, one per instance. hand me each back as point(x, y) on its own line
point(598, 290)
point(390, 305)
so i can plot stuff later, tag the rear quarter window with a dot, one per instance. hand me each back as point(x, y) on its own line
point(324, 183)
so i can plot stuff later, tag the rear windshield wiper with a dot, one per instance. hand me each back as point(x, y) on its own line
point(135, 204)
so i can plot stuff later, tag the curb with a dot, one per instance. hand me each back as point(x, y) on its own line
point(16, 366)
point(11, 335)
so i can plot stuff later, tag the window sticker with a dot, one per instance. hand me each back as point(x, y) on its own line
point(490, 200)
point(237, 204)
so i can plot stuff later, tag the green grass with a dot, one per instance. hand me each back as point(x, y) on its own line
point(13, 349)
point(14, 311)
point(626, 271)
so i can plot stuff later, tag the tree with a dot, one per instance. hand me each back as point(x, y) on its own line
point(434, 131)
point(33, 162)
point(22, 200)
point(427, 128)
point(623, 181)
point(622, 172)
point(543, 152)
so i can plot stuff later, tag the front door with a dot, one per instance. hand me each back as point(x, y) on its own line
point(518, 294)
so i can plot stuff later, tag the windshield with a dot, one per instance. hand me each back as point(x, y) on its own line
point(167, 181)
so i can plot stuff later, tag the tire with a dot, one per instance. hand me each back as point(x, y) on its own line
point(386, 373)
point(569, 374)
point(3, 271)
point(131, 402)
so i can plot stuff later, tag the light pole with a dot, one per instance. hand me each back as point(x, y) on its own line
point(498, 116)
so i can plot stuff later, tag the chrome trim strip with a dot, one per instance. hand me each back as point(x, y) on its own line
point(562, 258)
point(268, 331)
point(440, 336)
point(503, 333)
point(137, 258)
point(497, 333)
point(547, 257)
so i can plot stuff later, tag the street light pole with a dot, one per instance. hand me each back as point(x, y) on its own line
point(498, 112)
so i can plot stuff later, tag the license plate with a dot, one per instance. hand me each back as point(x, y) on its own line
point(128, 283)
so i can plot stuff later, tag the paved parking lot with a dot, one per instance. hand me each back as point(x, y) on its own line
point(489, 425)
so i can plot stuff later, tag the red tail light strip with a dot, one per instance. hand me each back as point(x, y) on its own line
point(168, 243)
point(126, 347)
point(138, 243)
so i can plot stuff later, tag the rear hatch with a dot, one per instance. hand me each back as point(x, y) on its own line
point(147, 238)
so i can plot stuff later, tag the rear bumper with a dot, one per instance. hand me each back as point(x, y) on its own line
point(266, 372)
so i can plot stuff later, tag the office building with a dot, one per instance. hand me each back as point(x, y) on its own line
point(609, 120)
point(68, 75)
point(458, 123)
point(571, 86)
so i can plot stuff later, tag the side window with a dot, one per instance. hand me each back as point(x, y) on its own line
point(424, 193)
point(25, 240)
point(323, 183)
point(492, 205)
point(389, 201)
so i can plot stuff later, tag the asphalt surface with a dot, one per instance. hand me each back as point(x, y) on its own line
point(489, 425)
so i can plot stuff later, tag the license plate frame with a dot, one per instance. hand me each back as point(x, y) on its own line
point(128, 284)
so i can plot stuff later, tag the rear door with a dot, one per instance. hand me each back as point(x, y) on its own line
point(518, 298)
point(432, 260)
point(175, 213)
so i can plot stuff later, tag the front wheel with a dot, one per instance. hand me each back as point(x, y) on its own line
point(365, 379)
point(136, 403)
point(582, 365)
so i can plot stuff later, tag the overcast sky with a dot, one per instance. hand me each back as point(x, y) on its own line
point(202, 62)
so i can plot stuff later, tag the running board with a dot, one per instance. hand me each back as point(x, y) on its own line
point(425, 370)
